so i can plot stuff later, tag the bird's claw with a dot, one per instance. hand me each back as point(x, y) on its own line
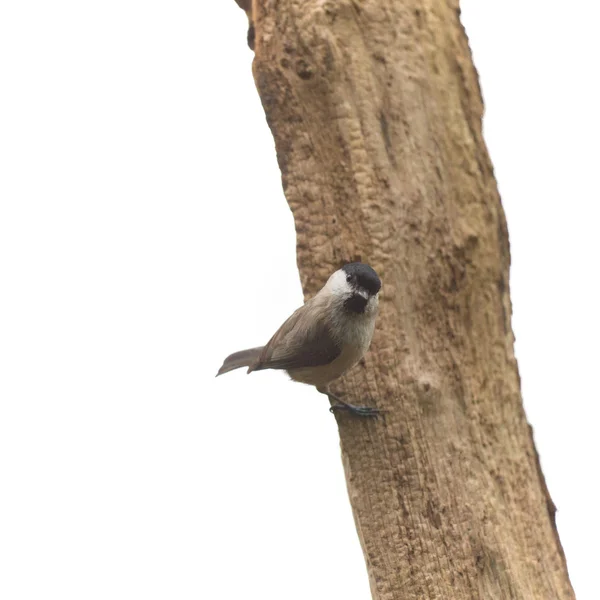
point(361, 411)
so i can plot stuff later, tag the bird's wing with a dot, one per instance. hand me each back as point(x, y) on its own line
point(299, 343)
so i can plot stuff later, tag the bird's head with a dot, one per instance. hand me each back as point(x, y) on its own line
point(358, 285)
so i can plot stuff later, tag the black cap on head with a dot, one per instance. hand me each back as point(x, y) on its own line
point(362, 275)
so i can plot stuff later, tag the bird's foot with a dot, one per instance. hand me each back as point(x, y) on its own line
point(360, 411)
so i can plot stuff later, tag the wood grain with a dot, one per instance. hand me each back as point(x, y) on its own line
point(376, 112)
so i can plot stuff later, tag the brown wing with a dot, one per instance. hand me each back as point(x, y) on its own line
point(298, 343)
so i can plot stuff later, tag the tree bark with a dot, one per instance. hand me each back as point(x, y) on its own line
point(376, 112)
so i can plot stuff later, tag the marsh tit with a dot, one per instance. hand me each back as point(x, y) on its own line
point(325, 337)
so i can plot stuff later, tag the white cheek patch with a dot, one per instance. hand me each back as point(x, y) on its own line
point(338, 285)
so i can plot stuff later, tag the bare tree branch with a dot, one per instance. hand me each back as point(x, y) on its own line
point(376, 112)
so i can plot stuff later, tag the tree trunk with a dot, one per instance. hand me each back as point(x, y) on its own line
point(376, 113)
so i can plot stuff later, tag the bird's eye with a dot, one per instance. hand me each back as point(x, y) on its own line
point(348, 278)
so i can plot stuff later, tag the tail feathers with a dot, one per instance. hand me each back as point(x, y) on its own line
point(243, 358)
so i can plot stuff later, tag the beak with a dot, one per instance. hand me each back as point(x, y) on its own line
point(358, 301)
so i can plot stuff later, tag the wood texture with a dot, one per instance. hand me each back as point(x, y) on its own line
point(376, 113)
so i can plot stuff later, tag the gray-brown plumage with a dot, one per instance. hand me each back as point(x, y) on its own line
point(324, 338)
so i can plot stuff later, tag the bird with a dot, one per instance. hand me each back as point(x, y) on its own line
point(325, 337)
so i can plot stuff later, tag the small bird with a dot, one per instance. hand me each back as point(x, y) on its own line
point(325, 337)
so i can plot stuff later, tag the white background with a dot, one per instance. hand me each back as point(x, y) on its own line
point(144, 236)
